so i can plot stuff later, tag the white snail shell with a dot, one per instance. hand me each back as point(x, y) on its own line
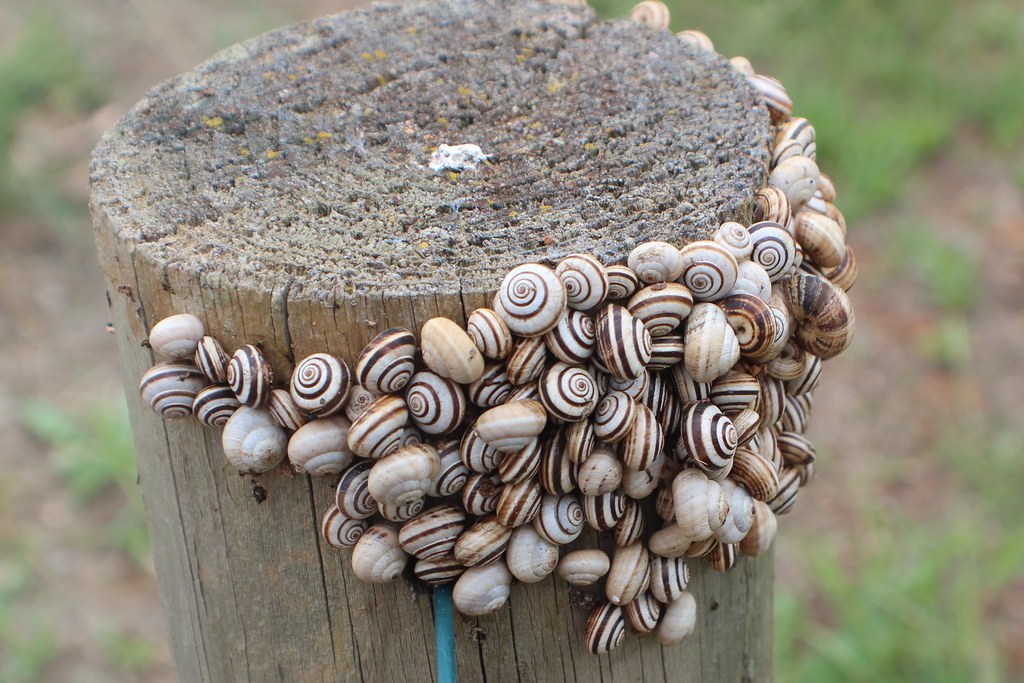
point(212, 360)
point(678, 620)
point(524, 392)
point(623, 343)
point(807, 380)
point(796, 136)
point(378, 430)
point(653, 13)
point(352, 495)
point(753, 279)
point(340, 531)
point(518, 504)
point(655, 262)
point(742, 65)
point(320, 447)
point(386, 364)
point(821, 238)
point(762, 531)
point(711, 345)
point(789, 364)
point(696, 39)
point(526, 361)
point(436, 404)
point(600, 473)
point(477, 455)
point(789, 487)
point(560, 519)
point(532, 298)
point(735, 238)
point(638, 484)
point(491, 389)
point(529, 557)
point(483, 542)
point(170, 388)
point(630, 526)
point(741, 513)
point(404, 475)
point(771, 204)
point(669, 541)
point(774, 249)
point(667, 351)
point(569, 393)
point(452, 473)
point(573, 339)
point(701, 505)
point(177, 336)
point(441, 570)
point(215, 404)
point(432, 533)
point(622, 282)
point(661, 307)
point(613, 417)
point(734, 391)
point(688, 389)
point(482, 590)
point(523, 464)
point(377, 556)
point(643, 613)
point(450, 352)
point(629, 574)
point(669, 576)
point(645, 440)
point(490, 333)
point(359, 399)
point(583, 567)
point(253, 441)
point(722, 556)
point(604, 511)
point(579, 441)
point(509, 427)
point(797, 176)
point(320, 384)
point(709, 270)
point(710, 438)
point(585, 280)
point(250, 376)
point(480, 494)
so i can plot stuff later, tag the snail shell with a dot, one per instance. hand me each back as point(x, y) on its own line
point(774, 96)
point(845, 274)
point(359, 399)
point(524, 392)
point(557, 470)
point(789, 364)
point(796, 415)
point(661, 307)
point(696, 39)
point(532, 298)
point(387, 363)
point(741, 514)
point(320, 384)
point(377, 556)
point(753, 279)
point(171, 388)
point(529, 557)
point(600, 473)
point(678, 620)
point(797, 176)
point(452, 473)
point(436, 404)
point(604, 511)
point(583, 567)
point(559, 520)
point(526, 361)
point(644, 441)
point(821, 238)
point(687, 388)
point(177, 336)
point(711, 344)
point(510, 427)
point(669, 541)
point(655, 262)
point(629, 574)
point(320, 447)
point(606, 627)
point(482, 543)
point(623, 343)
point(709, 270)
point(743, 65)
point(404, 475)
point(573, 339)
point(754, 324)
point(450, 352)
point(212, 360)
point(378, 430)
point(340, 531)
point(772, 205)
point(808, 378)
point(481, 493)
point(764, 444)
point(250, 376)
point(634, 388)
point(352, 495)
point(477, 455)
point(789, 487)
point(655, 14)
point(734, 392)
point(796, 136)
point(630, 526)
point(523, 464)
point(215, 404)
point(579, 441)
point(614, 417)
point(622, 282)
point(756, 474)
point(518, 504)
point(568, 392)
point(585, 280)
point(656, 394)
point(284, 411)
point(774, 249)
point(492, 388)
point(762, 532)
point(638, 484)
point(482, 590)
point(797, 450)
point(664, 505)
point(722, 556)
point(490, 333)
point(710, 439)
point(643, 613)
point(701, 505)
point(666, 351)
point(253, 441)
point(432, 533)
point(824, 314)
point(669, 576)
point(437, 571)
point(735, 238)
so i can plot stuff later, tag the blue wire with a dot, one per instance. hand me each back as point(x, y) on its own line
point(444, 630)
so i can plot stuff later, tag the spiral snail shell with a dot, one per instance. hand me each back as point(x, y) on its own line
point(284, 411)
point(734, 391)
point(212, 360)
point(320, 384)
point(378, 430)
point(359, 399)
point(629, 574)
point(583, 567)
point(518, 503)
point(490, 333)
point(477, 455)
point(661, 307)
point(722, 556)
point(432, 533)
point(483, 542)
point(623, 343)
point(573, 339)
point(523, 464)
point(711, 344)
point(569, 393)
point(482, 590)
point(613, 417)
point(772, 205)
point(701, 505)
point(630, 526)
point(709, 270)
point(789, 488)
point(436, 404)
point(215, 404)
point(669, 576)
point(531, 299)
point(509, 427)
point(696, 39)
point(824, 315)
point(600, 473)
point(250, 376)
point(794, 137)
point(170, 388)
point(560, 519)
point(253, 441)
point(643, 613)
point(622, 282)
point(762, 531)
point(741, 514)
point(774, 249)
point(687, 388)
point(352, 495)
point(797, 176)
point(756, 474)
point(320, 447)
point(604, 511)
point(386, 364)
point(678, 620)
point(653, 13)
point(821, 237)
point(845, 274)
point(452, 473)
point(753, 279)
point(176, 337)
point(606, 626)
point(480, 493)
point(526, 361)
point(666, 351)
point(645, 440)
point(557, 471)
point(669, 541)
point(530, 558)
point(404, 475)
point(450, 352)
point(340, 531)
point(655, 262)
point(736, 238)
point(754, 324)
point(710, 439)
point(586, 282)
point(377, 556)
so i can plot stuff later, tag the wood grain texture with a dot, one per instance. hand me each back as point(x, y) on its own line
point(250, 591)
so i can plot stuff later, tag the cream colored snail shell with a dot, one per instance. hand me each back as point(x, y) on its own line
point(753, 279)
point(320, 384)
point(643, 613)
point(600, 473)
point(557, 471)
point(736, 238)
point(378, 430)
point(491, 389)
point(212, 360)
point(386, 364)
point(771, 204)
point(477, 455)
point(250, 376)
point(613, 417)
point(284, 411)
point(215, 404)
point(320, 447)
point(490, 333)
point(645, 440)
point(742, 65)
point(176, 337)
point(560, 519)
point(432, 533)
point(359, 399)
point(661, 307)
point(583, 567)
point(666, 351)
point(523, 464)
point(573, 339)
point(568, 392)
point(655, 262)
point(821, 237)
point(824, 315)
point(622, 282)
point(623, 343)
point(480, 493)
point(774, 96)
point(404, 475)
point(709, 270)
point(797, 176)
point(669, 541)
point(756, 474)
point(734, 391)
point(401, 513)
point(531, 299)
point(604, 511)
point(774, 249)
point(845, 274)
point(510, 427)
point(437, 405)
point(755, 326)
point(482, 590)
point(450, 352)
point(579, 441)
point(529, 557)
point(653, 13)
point(710, 438)
point(483, 542)
point(678, 620)
point(452, 473)
point(711, 344)
point(340, 531)
point(171, 388)
point(585, 280)
point(629, 574)
point(701, 505)
point(696, 39)
point(762, 532)
point(377, 556)
point(741, 513)
point(352, 495)
point(253, 441)
point(638, 484)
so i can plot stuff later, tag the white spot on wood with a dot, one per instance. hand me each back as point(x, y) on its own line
point(457, 158)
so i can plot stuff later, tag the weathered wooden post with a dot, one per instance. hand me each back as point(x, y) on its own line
point(280, 192)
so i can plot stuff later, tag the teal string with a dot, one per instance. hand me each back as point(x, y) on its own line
point(444, 634)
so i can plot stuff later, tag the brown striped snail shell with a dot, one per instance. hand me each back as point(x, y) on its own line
point(320, 384)
point(437, 571)
point(664, 505)
point(579, 441)
point(789, 487)
point(606, 626)
point(432, 533)
point(604, 511)
point(212, 360)
point(477, 455)
point(452, 474)
point(669, 541)
point(320, 447)
point(253, 441)
point(449, 351)
point(653, 13)
point(401, 513)
point(490, 333)
point(722, 556)
point(529, 557)
point(170, 388)
point(774, 249)
point(523, 464)
point(808, 378)
point(645, 440)
point(482, 543)
point(661, 307)
point(623, 343)
point(583, 567)
point(568, 392)
point(215, 404)
point(573, 339)
point(359, 399)
point(527, 360)
point(703, 548)
point(557, 470)
point(480, 493)
point(524, 392)
point(711, 344)
point(756, 474)
point(735, 237)
point(622, 282)
point(655, 262)
point(560, 519)
point(696, 39)
point(741, 514)
point(774, 96)
point(613, 417)
point(600, 473)
point(284, 411)
point(678, 620)
point(387, 363)
point(669, 576)
point(764, 444)
point(797, 130)
point(821, 238)
point(643, 613)
point(845, 274)
point(404, 475)
point(378, 430)
point(762, 532)
point(753, 279)
point(734, 391)
point(531, 299)
point(824, 315)
point(629, 574)
point(688, 389)
point(511, 426)
point(797, 413)
point(797, 176)
point(436, 404)
point(797, 450)
point(666, 351)
point(710, 439)
point(518, 503)
point(340, 531)
point(754, 324)
point(709, 270)
point(176, 337)
point(656, 394)
point(789, 364)
point(634, 388)
point(701, 505)
point(377, 556)
point(352, 495)
point(771, 204)
point(585, 280)
point(482, 590)
point(250, 376)
point(630, 526)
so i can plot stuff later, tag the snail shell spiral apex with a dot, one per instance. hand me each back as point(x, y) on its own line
point(377, 556)
point(655, 262)
point(320, 384)
point(653, 13)
point(250, 376)
point(436, 404)
point(560, 519)
point(177, 336)
point(709, 270)
point(583, 567)
point(171, 388)
point(573, 339)
point(585, 280)
point(622, 282)
point(490, 333)
point(797, 176)
point(215, 404)
point(736, 238)
point(568, 392)
point(253, 441)
point(532, 298)
point(340, 531)
point(320, 447)
point(774, 249)
point(530, 558)
point(386, 364)
point(824, 314)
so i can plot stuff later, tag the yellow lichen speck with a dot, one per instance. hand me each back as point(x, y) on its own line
point(213, 121)
point(324, 135)
point(272, 154)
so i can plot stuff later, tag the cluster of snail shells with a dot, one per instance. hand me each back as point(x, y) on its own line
point(478, 454)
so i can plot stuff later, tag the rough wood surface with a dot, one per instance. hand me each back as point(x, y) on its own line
point(278, 192)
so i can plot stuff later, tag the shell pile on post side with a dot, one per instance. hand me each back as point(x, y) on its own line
point(662, 402)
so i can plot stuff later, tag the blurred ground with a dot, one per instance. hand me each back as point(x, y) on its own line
point(903, 561)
